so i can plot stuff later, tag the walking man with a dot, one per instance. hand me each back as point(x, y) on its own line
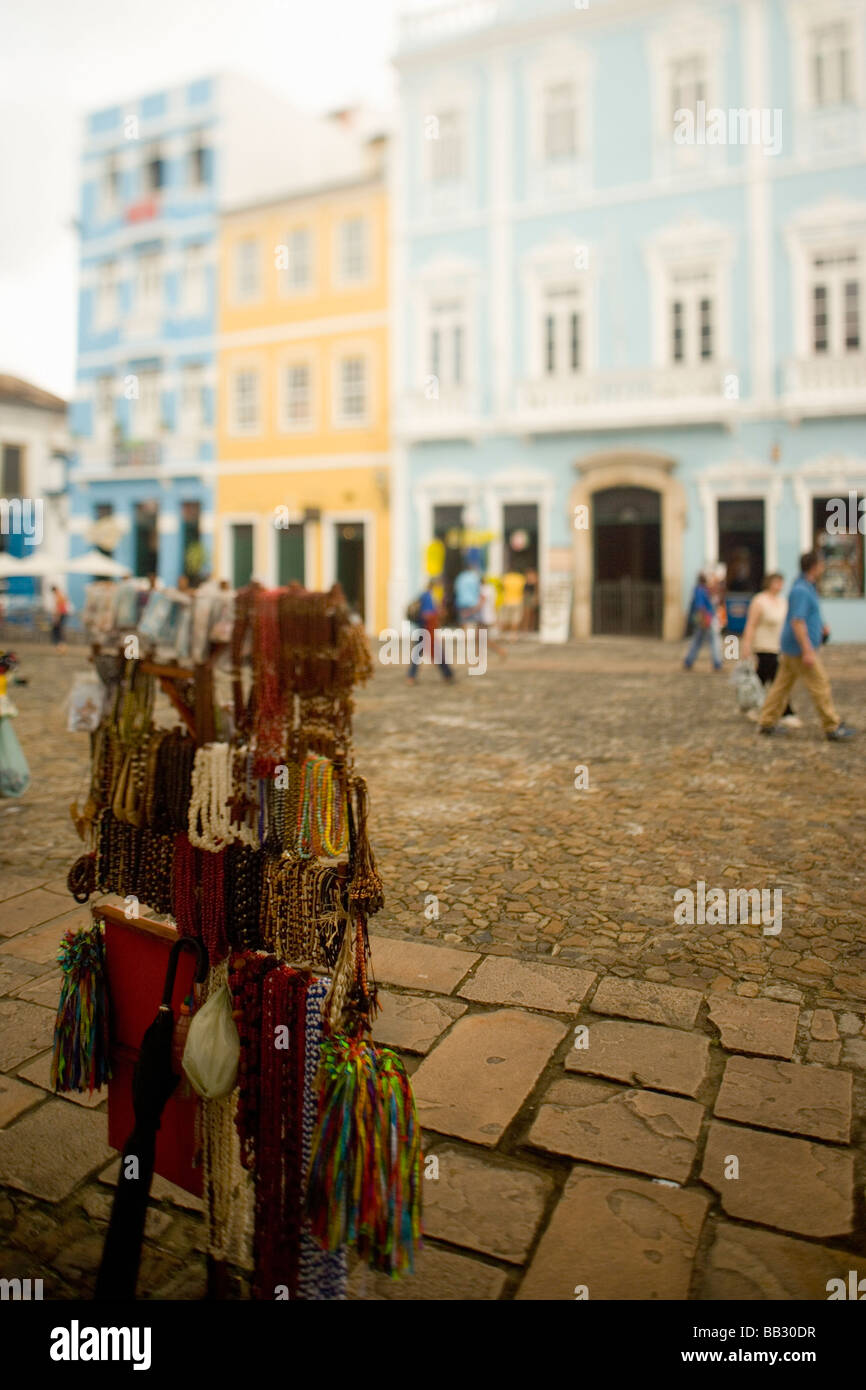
point(803, 633)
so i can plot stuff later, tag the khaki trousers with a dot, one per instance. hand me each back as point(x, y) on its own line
point(791, 669)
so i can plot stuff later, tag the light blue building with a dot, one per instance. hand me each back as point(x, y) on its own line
point(157, 173)
point(629, 288)
point(144, 409)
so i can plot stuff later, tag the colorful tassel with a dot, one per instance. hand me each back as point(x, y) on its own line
point(81, 1031)
point(364, 1186)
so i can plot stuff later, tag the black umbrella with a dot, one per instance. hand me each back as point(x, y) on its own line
point(153, 1082)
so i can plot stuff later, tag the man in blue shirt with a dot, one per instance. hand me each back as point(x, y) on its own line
point(467, 594)
point(803, 633)
point(703, 610)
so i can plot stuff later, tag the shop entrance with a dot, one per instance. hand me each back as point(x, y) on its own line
point(145, 539)
point(627, 597)
point(350, 561)
point(520, 553)
point(741, 543)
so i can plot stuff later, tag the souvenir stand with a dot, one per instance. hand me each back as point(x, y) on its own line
point(241, 824)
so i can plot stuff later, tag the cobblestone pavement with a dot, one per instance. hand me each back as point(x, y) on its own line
point(606, 1164)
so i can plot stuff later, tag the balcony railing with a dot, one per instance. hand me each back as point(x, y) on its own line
point(635, 394)
point(828, 378)
point(144, 455)
point(452, 412)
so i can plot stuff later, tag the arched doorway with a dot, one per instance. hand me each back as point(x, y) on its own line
point(627, 562)
point(635, 489)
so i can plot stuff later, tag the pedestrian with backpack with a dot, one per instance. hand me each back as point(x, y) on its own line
point(425, 615)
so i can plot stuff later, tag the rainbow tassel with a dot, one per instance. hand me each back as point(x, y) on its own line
point(81, 1033)
point(364, 1186)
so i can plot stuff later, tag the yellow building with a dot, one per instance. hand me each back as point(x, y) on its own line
point(302, 468)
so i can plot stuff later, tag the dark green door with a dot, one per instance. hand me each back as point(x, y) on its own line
point(242, 554)
point(290, 554)
point(350, 564)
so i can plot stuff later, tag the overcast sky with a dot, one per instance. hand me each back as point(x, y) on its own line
point(59, 59)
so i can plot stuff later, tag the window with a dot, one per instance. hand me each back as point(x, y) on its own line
point(12, 480)
point(242, 554)
point(562, 330)
point(110, 185)
point(836, 298)
point(191, 550)
point(148, 282)
point(692, 311)
point(447, 341)
point(831, 54)
point(841, 546)
point(353, 249)
point(192, 396)
point(298, 396)
point(560, 123)
point(106, 306)
point(688, 83)
point(247, 270)
point(194, 292)
point(103, 407)
point(146, 409)
point(298, 272)
point(154, 170)
point(245, 400)
point(145, 537)
point(198, 161)
point(446, 158)
point(353, 389)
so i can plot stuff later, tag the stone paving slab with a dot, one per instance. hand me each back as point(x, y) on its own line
point(556, 988)
point(745, 1263)
point(473, 1084)
point(643, 1054)
point(792, 1184)
point(491, 1208)
point(25, 1029)
point(764, 1026)
point(644, 999)
point(412, 1023)
point(39, 1073)
point(50, 1150)
point(641, 1130)
point(439, 1275)
point(813, 1100)
point(620, 1237)
point(41, 944)
point(13, 885)
point(44, 990)
point(413, 965)
point(15, 1098)
point(29, 910)
point(161, 1190)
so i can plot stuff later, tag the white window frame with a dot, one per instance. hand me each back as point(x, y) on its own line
point(458, 96)
point(104, 412)
point(827, 229)
point(106, 310)
point(146, 423)
point(110, 198)
point(685, 35)
point(193, 383)
point(237, 427)
point(442, 279)
point(290, 287)
point(367, 519)
point(341, 278)
point(804, 18)
point(285, 364)
point(730, 481)
point(149, 285)
point(545, 268)
point(349, 352)
point(697, 245)
point(194, 279)
point(565, 64)
point(155, 150)
point(243, 293)
point(198, 141)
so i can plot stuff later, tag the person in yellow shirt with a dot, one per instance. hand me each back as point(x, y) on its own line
point(511, 613)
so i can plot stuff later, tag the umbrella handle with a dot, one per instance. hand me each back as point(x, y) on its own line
point(201, 965)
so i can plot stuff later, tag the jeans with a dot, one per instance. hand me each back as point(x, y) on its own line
point(701, 635)
point(414, 662)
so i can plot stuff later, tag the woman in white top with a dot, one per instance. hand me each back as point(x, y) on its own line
point(763, 633)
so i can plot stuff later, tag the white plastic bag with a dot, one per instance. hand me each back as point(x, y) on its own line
point(750, 691)
point(213, 1048)
point(85, 703)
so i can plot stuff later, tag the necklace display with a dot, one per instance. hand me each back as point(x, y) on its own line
point(256, 843)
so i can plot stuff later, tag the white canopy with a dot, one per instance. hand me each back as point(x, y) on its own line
point(96, 564)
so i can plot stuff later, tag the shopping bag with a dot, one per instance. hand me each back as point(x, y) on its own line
point(14, 771)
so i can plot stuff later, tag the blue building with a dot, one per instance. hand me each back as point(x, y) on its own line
point(630, 276)
point(157, 172)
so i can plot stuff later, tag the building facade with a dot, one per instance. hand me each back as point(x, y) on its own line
point(157, 170)
point(302, 475)
point(629, 279)
point(34, 455)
